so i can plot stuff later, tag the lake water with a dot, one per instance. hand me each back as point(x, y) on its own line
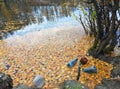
point(49, 40)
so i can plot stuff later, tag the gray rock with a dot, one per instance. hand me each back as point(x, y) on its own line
point(100, 87)
point(116, 71)
point(22, 86)
point(39, 81)
point(108, 84)
point(72, 84)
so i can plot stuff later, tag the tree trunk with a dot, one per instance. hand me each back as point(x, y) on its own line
point(112, 33)
point(106, 24)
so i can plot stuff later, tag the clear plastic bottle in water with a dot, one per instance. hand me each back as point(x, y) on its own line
point(72, 62)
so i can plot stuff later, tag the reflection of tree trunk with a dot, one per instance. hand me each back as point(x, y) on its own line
point(83, 26)
point(65, 11)
point(7, 4)
point(5, 11)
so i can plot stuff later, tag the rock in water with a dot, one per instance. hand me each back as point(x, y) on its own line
point(39, 81)
point(6, 81)
point(72, 63)
point(90, 70)
point(108, 84)
point(72, 84)
point(21, 86)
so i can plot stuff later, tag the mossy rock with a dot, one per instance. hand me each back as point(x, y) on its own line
point(72, 84)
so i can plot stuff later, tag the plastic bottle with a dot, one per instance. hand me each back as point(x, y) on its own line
point(72, 62)
point(91, 69)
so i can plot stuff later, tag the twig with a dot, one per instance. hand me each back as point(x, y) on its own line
point(79, 68)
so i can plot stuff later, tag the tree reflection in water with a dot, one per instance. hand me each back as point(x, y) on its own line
point(25, 13)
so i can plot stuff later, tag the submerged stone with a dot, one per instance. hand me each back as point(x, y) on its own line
point(108, 84)
point(22, 86)
point(39, 81)
point(72, 84)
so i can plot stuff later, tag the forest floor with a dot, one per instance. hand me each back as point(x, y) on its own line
point(47, 53)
